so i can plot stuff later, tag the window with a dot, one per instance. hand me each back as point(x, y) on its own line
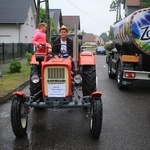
point(27, 20)
point(31, 21)
point(5, 39)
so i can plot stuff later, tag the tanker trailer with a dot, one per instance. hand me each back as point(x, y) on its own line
point(131, 61)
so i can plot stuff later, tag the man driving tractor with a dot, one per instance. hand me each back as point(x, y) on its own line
point(63, 44)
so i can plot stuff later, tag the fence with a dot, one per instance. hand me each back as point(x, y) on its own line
point(13, 51)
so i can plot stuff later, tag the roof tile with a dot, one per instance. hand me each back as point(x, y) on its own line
point(14, 11)
point(71, 21)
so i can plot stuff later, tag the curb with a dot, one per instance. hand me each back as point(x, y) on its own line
point(8, 95)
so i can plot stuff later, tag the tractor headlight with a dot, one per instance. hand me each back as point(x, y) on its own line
point(78, 79)
point(35, 79)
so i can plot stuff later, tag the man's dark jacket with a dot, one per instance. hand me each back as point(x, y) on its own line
point(56, 48)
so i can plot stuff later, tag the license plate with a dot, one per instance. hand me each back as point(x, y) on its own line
point(130, 58)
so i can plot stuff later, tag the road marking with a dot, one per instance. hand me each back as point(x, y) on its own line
point(4, 114)
point(104, 66)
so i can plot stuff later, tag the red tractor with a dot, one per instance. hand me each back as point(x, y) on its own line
point(53, 85)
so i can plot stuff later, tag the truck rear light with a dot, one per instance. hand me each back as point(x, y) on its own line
point(129, 74)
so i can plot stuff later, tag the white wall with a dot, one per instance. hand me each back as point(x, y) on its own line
point(27, 30)
point(14, 33)
point(9, 31)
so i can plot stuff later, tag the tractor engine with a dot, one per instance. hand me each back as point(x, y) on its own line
point(56, 79)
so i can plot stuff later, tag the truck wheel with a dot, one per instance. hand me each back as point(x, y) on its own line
point(88, 80)
point(110, 73)
point(120, 80)
point(35, 87)
point(96, 120)
point(19, 121)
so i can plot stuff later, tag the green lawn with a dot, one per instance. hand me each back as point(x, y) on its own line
point(10, 81)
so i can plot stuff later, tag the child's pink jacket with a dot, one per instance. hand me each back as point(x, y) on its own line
point(39, 38)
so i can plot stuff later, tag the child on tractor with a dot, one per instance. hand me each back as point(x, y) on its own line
point(39, 38)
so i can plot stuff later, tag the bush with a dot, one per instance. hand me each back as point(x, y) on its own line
point(28, 55)
point(15, 66)
point(108, 46)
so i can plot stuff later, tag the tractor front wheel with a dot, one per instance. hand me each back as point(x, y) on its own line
point(96, 118)
point(19, 120)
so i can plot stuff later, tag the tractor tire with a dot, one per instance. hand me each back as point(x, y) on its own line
point(35, 87)
point(111, 75)
point(19, 121)
point(120, 80)
point(96, 120)
point(88, 80)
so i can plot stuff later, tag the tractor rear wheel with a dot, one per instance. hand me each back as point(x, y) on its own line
point(19, 120)
point(88, 80)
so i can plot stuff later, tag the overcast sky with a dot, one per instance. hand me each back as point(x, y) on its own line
point(95, 16)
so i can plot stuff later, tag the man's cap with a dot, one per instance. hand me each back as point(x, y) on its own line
point(63, 27)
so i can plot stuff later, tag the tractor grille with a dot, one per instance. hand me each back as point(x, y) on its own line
point(55, 75)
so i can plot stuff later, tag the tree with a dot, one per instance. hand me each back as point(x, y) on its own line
point(105, 37)
point(109, 46)
point(43, 18)
point(52, 27)
point(42, 15)
point(145, 3)
point(113, 5)
point(116, 6)
point(97, 43)
point(111, 33)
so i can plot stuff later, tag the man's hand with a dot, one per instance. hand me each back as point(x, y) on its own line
point(39, 46)
point(69, 57)
point(49, 50)
point(56, 56)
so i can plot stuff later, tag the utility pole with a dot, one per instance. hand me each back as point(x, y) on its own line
point(119, 9)
point(118, 12)
point(47, 17)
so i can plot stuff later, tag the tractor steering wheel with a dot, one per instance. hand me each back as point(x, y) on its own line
point(63, 52)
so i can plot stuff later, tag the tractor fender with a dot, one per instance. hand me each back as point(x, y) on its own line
point(87, 58)
point(19, 93)
point(33, 60)
point(96, 94)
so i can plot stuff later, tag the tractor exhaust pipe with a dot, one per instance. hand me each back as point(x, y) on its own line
point(75, 50)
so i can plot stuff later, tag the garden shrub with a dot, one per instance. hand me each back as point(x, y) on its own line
point(28, 55)
point(15, 66)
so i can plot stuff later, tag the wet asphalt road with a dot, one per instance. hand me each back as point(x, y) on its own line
point(126, 122)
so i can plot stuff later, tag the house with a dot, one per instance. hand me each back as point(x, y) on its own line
point(99, 40)
point(56, 15)
point(17, 21)
point(71, 21)
point(89, 39)
point(130, 6)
